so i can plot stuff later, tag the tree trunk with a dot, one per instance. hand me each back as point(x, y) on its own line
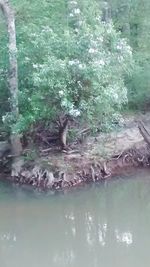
point(63, 130)
point(144, 132)
point(106, 12)
point(13, 82)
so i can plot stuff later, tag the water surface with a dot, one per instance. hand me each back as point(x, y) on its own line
point(103, 225)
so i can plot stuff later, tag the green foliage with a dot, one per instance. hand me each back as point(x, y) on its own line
point(69, 62)
point(132, 19)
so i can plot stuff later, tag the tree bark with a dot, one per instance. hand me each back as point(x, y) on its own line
point(63, 130)
point(106, 12)
point(13, 81)
point(144, 132)
point(62, 124)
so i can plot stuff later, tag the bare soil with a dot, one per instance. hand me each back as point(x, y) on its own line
point(97, 158)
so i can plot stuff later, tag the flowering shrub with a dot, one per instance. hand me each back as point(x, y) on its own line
point(78, 70)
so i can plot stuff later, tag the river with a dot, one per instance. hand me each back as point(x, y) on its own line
point(102, 225)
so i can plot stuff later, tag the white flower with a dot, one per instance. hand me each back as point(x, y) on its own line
point(80, 22)
point(71, 15)
point(120, 59)
point(118, 47)
point(101, 62)
point(74, 62)
point(92, 50)
point(76, 11)
point(74, 112)
point(61, 93)
point(129, 49)
point(47, 29)
point(3, 118)
point(100, 39)
point(27, 59)
point(73, 2)
point(35, 66)
point(71, 62)
point(81, 66)
point(98, 19)
point(76, 30)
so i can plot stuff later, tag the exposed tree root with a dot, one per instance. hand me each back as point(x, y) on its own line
point(92, 172)
point(85, 170)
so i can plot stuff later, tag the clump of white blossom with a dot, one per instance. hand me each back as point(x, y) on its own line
point(82, 69)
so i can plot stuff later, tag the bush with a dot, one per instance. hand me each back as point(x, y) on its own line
point(77, 68)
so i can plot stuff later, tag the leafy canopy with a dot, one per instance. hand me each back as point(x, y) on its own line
point(70, 61)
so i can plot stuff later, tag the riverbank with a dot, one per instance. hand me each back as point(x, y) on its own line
point(98, 158)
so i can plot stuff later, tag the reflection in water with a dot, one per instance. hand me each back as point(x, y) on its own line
point(105, 225)
point(124, 237)
point(8, 237)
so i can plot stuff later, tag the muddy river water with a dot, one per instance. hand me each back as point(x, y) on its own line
point(102, 225)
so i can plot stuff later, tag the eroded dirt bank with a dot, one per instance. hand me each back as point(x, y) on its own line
point(98, 158)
